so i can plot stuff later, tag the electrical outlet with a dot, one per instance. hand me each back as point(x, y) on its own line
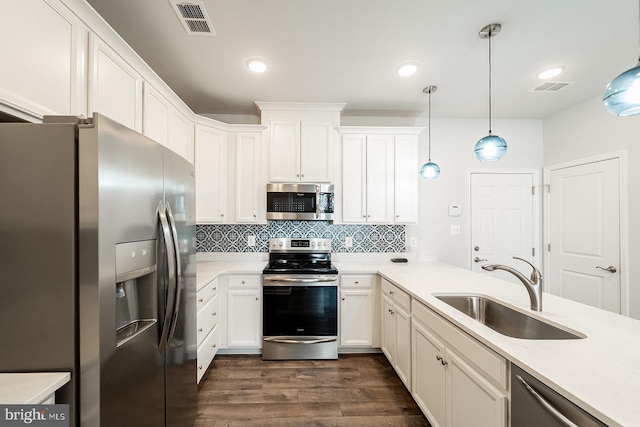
point(413, 242)
point(251, 240)
point(455, 229)
point(348, 242)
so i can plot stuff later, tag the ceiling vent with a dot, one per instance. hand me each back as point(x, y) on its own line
point(550, 86)
point(194, 17)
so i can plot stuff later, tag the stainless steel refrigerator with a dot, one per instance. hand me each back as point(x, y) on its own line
point(97, 269)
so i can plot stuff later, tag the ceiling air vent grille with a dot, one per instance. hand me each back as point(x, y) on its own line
point(194, 17)
point(550, 86)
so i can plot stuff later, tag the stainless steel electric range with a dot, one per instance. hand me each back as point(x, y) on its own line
point(300, 300)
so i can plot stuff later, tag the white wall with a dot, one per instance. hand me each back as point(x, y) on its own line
point(452, 143)
point(588, 129)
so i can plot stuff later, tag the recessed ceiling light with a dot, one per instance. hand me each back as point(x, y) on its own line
point(551, 72)
point(257, 65)
point(407, 69)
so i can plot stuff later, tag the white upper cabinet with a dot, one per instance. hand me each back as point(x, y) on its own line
point(301, 141)
point(367, 179)
point(406, 179)
point(211, 175)
point(379, 175)
point(157, 112)
point(300, 151)
point(181, 135)
point(41, 72)
point(166, 125)
point(251, 187)
point(115, 89)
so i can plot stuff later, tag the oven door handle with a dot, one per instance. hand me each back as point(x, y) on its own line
point(299, 280)
point(295, 341)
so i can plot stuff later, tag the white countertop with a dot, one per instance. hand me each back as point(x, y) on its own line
point(30, 388)
point(600, 373)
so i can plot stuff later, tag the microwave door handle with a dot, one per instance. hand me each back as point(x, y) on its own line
point(317, 202)
point(178, 274)
point(170, 276)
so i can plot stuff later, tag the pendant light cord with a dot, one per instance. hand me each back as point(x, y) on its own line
point(489, 80)
point(429, 131)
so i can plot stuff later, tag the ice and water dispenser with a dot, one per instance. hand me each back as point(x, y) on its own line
point(136, 294)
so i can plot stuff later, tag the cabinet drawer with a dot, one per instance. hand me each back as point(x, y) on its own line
point(399, 296)
point(357, 282)
point(206, 352)
point(492, 365)
point(207, 292)
point(207, 318)
point(242, 282)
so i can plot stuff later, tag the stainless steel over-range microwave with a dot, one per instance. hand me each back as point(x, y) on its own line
point(300, 201)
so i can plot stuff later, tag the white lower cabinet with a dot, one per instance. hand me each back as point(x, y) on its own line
point(396, 330)
point(244, 311)
point(456, 381)
point(208, 307)
point(359, 311)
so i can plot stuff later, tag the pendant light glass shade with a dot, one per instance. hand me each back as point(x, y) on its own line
point(491, 147)
point(430, 170)
point(622, 96)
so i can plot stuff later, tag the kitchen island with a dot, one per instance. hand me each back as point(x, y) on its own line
point(600, 373)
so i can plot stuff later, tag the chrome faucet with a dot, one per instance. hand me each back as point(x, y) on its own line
point(533, 285)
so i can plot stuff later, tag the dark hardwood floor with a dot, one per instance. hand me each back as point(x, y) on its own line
point(354, 391)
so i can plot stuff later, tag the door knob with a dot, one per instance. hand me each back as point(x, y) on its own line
point(478, 259)
point(610, 269)
point(476, 248)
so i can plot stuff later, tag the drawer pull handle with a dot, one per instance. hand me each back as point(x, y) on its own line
point(199, 329)
point(200, 299)
point(357, 282)
point(441, 360)
point(215, 288)
point(200, 367)
point(343, 298)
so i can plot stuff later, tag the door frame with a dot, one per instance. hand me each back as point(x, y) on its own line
point(622, 157)
point(537, 206)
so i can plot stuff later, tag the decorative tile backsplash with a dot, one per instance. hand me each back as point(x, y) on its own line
point(233, 237)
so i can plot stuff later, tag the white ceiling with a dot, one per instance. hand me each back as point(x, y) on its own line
point(348, 50)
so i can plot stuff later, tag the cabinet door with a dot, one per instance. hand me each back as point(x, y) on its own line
point(428, 374)
point(250, 187)
point(356, 315)
point(244, 318)
point(402, 362)
point(354, 178)
point(181, 135)
point(156, 116)
point(379, 181)
point(211, 175)
point(39, 58)
point(316, 151)
point(472, 400)
point(388, 329)
point(406, 179)
point(284, 151)
point(115, 89)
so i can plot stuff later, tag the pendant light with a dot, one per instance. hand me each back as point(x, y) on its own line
point(491, 147)
point(429, 170)
point(622, 95)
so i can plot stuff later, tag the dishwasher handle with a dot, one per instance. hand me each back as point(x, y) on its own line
point(546, 405)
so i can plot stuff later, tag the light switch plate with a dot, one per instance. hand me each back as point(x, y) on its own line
point(251, 240)
point(454, 210)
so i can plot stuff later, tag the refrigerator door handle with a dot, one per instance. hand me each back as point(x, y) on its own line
point(178, 273)
point(171, 276)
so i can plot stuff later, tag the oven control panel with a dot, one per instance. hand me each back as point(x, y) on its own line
point(280, 244)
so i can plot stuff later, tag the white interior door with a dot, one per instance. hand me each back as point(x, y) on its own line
point(584, 233)
point(502, 220)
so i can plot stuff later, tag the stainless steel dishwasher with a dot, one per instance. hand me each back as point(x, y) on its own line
point(533, 404)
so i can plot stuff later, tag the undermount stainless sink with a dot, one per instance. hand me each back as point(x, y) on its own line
point(505, 320)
